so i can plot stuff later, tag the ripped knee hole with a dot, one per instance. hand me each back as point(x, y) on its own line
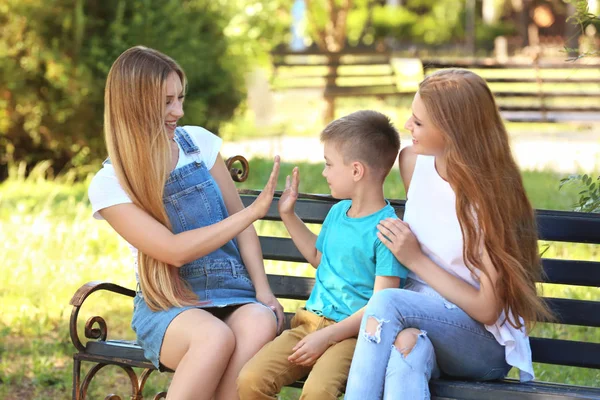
point(406, 340)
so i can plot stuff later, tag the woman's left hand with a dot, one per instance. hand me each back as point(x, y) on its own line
point(396, 235)
point(268, 299)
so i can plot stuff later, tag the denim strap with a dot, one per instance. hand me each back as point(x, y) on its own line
point(185, 141)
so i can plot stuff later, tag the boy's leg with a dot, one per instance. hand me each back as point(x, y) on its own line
point(269, 370)
point(330, 372)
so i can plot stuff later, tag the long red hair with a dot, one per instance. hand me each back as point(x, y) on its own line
point(491, 203)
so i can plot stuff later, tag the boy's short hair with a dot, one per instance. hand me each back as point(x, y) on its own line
point(367, 136)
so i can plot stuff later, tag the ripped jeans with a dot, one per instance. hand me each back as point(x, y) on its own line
point(450, 344)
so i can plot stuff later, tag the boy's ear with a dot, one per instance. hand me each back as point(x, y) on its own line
point(358, 170)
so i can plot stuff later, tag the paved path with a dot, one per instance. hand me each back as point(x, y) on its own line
point(564, 153)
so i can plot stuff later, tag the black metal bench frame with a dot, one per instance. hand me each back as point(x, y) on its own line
point(553, 226)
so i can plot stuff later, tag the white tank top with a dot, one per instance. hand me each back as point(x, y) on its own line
point(431, 213)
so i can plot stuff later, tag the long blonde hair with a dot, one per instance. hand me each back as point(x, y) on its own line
point(491, 203)
point(138, 146)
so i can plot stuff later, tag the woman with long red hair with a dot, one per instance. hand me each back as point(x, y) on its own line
point(469, 239)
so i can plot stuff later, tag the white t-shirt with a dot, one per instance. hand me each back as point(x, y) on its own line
point(105, 190)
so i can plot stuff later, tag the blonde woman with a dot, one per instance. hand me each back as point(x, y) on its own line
point(203, 305)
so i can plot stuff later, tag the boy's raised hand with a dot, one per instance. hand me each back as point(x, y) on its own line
point(287, 202)
point(265, 198)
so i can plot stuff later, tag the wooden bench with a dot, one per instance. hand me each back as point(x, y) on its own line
point(540, 91)
point(353, 72)
point(553, 226)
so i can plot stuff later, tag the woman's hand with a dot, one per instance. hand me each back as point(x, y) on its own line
point(309, 349)
point(396, 235)
point(287, 202)
point(268, 299)
point(261, 205)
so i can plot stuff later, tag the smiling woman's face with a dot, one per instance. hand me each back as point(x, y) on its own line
point(173, 103)
point(427, 138)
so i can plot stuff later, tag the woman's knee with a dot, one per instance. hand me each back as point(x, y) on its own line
point(380, 310)
point(195, 331)
point(253, 324)
point(219, 339)
point(406, 340)
point(416, 351)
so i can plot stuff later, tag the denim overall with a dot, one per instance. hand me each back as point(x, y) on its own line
point(193, 200)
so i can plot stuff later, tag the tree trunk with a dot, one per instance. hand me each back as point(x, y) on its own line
point(330, 87)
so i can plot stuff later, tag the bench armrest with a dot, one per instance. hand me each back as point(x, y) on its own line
point(77, 300)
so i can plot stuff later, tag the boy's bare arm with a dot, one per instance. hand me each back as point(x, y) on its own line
point(302, 237)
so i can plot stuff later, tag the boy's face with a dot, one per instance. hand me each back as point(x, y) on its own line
point(339, 176)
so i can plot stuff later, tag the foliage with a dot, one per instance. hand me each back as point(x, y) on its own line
point(583, 17)
point(428, 22)
point(55, 55)
point(486, 33)
point(589, 196)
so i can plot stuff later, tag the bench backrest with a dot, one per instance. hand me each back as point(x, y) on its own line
point(560, 226)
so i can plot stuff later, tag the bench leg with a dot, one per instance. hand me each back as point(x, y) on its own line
point(136, 393)
point(76, 378)
point(143, 379)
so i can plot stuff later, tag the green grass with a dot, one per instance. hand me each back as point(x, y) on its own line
point(50, 246)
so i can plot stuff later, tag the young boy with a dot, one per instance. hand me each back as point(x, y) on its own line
point(352, 263)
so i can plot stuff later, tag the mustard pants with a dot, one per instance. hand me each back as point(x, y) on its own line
point(269, 370)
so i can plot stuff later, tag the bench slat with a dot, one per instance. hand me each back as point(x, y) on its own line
point(549, 108)
point(126, 349)
point(543, 80)
point(436, 64)
point(279, 249)
point(568, 226)
point(508, 389)
point(560, 226)
point(565, 352)
point(575, 312)
point(568, 272)
point(546, 94)
point(567, 311)
point(310, 211)
point(291, 287)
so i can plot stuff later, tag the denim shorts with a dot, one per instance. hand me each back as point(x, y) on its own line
point(220, 283)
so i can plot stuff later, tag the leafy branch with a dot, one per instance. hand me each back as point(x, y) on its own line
point(589, 196)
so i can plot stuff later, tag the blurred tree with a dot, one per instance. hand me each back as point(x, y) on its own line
point(330, 24)
point(55, 55)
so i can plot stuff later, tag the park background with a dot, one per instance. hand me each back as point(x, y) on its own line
point(54, 58)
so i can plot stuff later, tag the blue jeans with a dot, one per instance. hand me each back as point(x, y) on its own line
point(450, 343)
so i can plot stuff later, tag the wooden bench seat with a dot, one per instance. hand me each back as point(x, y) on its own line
point(556, 226)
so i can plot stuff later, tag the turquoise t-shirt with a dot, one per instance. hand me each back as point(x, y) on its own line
point(351, 257)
